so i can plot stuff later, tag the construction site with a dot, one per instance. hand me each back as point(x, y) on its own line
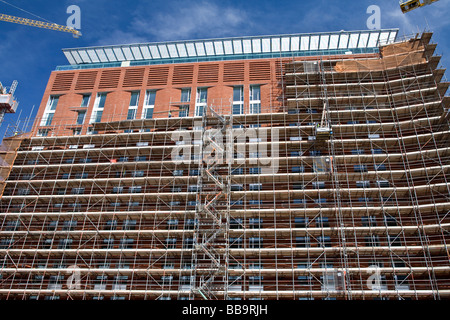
point(289, 167)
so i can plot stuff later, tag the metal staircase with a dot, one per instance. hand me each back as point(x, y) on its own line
point(210, 236)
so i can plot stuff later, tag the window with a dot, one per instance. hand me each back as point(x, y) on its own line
point(69, 225)
point(255, 243)
point(383, 183)
point(235, 242)
point(189, 224)
point(255, 99)
point(200, 104)
point(380, 167)
point(129, 224)
point(235, 223)
point(171, 243)
point(99, 105)
point(301, 222)
point(85, 100)
point(369, 221)
point(255, 170)
point(363, 184)
point(302, 242)
point(188, 243)
point(324, 241)
point(238, 100)
point(126, 243)
point(322, 222)
point(49, 111)
point(65, 244)
point(185, 99)
point(255, 223)
point(360, 168)
point(108, 243)
point(77, 190)
point(140, 158)
point(134, 102)
point(318, 185)
point(172, 224)
point(43, 132)
point(255, 186)
point(300, 169)
point(81, 116)
point(111, 225)
point(149, 104)
point(135, 189)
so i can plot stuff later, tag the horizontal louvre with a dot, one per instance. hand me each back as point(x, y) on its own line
point(133, 77)
point(208, 73)
point(63, 81)
point(183, 74)
point(86, 80)
point(109, 79)
point(233, 72)
point(158, 76)
point(259, 70)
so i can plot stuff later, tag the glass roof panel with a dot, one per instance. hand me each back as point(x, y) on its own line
point(199, 46)
point(353, 42)
point(247, 44)
point(218, 47)
point(93, 56)
point(314, 43)
point(181, 50)
point(237, 46)
point(304, 44)
point(363, 40)
point(209, 48)
point(324, 42)
point(295, 43)
point(343, 41)
point(172, 50)
point(136, 52)
point(334, 40)
point(191, 50)
point(145, 52)
point(154, 51)
point(275, 44)
point(228, 46)
point(285, 44)
point(373, 39)
point(256, 44)
point(232, 46)
point(266, 45)
point(163, 50)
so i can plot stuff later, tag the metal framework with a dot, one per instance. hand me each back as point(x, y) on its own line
point(132, 211)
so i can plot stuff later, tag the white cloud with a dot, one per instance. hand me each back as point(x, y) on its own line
point(181, 21)
point(189, 19)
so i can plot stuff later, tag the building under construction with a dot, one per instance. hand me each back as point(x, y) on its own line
point(305, 166)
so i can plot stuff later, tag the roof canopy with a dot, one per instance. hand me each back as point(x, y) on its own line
point(343, 40)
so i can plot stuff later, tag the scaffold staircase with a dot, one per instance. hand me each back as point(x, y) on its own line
point(211, 227)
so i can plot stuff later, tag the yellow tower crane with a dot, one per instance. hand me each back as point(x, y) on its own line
point(40, 24)
point(408, 5)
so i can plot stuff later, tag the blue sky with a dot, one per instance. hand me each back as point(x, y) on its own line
point(29, 54)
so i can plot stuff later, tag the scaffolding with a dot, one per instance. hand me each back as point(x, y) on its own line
point(245, 206)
